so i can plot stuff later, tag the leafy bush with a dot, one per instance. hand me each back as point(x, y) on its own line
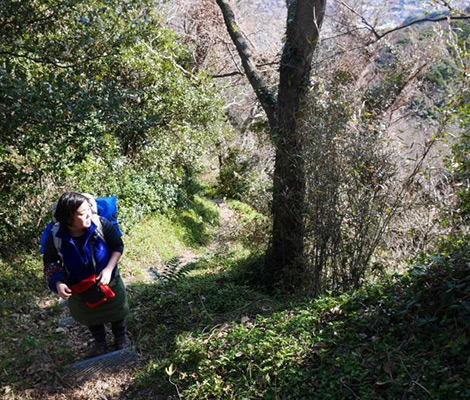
point(241, 177)
point(459, 162)
point(253, 228)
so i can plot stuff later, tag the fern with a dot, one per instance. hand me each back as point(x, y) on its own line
point(174, 272)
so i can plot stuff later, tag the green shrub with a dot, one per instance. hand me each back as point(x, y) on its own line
point(234, 176)
point(242, 178)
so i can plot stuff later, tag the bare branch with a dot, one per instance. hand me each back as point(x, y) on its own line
point(364, 21)
point(341, 34)
point(443, 123)
point(238, 72)
point(234, 60)
point(36, 59)
point(246, 52)
point(418, 21)
point(379, 36)
point(446, 4)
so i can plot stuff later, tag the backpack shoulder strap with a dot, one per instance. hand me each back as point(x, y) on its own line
point(57, 240)
point(99, 226)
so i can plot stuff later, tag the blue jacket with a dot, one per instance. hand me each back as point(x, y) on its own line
point(79, 263)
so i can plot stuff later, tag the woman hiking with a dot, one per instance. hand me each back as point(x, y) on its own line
point(80, 265)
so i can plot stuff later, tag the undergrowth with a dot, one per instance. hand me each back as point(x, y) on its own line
point(209, 336)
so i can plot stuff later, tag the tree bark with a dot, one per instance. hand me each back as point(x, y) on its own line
point(284, 262)
point(285, 257)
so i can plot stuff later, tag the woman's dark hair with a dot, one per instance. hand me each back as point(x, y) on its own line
point(68, 203)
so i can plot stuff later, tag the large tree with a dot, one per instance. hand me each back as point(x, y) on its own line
point(284, 262)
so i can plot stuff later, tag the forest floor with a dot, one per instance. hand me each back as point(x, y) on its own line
point(202, 327)
point(45, 376)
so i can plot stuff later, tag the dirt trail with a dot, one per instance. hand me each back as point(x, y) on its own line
point(112, 384)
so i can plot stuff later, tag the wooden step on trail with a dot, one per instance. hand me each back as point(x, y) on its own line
point(109, 361)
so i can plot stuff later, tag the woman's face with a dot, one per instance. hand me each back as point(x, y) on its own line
point(82, 217)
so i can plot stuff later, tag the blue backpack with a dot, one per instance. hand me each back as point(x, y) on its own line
point(103, 206)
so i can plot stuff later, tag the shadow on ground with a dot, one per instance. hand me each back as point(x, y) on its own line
point(200, 297)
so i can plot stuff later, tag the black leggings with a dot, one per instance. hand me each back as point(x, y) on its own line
point(99, 331)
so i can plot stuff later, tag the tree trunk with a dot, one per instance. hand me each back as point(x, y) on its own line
point(284, 262)
point(286, 256)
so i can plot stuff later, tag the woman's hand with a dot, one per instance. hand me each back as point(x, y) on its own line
point(63, 290)
point(105, 276)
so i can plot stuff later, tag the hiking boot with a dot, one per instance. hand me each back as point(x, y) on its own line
point(121, 343)
point(97, 349)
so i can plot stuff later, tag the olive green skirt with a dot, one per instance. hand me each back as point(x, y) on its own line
point(113, 310)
